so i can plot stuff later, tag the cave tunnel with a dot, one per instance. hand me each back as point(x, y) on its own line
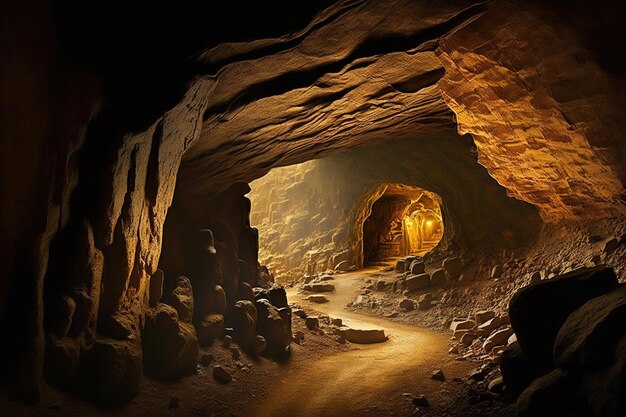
point(403, 221)
point(332, 208)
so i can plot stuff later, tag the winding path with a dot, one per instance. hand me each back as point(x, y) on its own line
point(370, 379)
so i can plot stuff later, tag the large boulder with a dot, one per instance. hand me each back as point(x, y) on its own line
point(278, 296)
point(589, 336)
point(438, 277)
point(416, 282)
point(170, 346)
point(275, 326)
point(551, 395)
point(538, 311)
point(181, 299)
point(244, 323)
point(216, 299)
point(110, 371)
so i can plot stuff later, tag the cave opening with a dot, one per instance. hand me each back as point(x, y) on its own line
point(405, 220)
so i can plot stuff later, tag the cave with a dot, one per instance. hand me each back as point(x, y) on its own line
point(403, 221)
point(336, 208)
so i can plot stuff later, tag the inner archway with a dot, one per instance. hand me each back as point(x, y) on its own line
point(405, 220)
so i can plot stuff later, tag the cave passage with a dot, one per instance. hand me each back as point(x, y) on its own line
point(405, 220)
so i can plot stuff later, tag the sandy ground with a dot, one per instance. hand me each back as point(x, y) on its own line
point(322, 377)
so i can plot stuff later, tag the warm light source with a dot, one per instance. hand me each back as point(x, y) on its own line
point(429, 223)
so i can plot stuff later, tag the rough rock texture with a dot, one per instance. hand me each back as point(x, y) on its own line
point(535, 116)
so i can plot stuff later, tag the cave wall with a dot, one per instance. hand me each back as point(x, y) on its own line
point(103, 103)
point(549, 125)
point(311, 215)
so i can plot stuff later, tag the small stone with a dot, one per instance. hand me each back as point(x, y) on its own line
point(496, 271)
point(407, 304)
point(206, 359)
point(496, 385)
point(438, 375)
point(420, 401)
point(337, 322)
point(235, 352)
point(312, 322)
point(298, 312)
point(221, 375)
point(227, 341)
point(317, 298)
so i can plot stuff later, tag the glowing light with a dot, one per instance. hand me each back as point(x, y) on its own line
point(429, 223)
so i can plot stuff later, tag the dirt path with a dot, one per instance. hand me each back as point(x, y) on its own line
point(371, 379)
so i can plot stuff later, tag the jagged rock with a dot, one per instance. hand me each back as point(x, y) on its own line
point(417, 267)
point(420, 401)
point(538, 311)
point(210, 328)
point(381, 285)
point(467, 338)
point(590, 334)
point(170, 347)
point(551, 395)
point(221, 375)
point(453, 266)
point(401, 265)
point(489, 326)
point(610, 245)
point(299, 312)
point(438, 277)
point(217, 300)
point(361, 336)
point(156, 288)
point(181, 299)
point(416, 282)
point(461, 324)
point(516, 369)
point(407, 304)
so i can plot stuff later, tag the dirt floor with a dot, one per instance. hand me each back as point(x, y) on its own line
point(322, 376)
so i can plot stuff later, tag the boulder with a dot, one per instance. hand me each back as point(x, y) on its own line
point(483, 315)
point(589, 336)
point(516, 370)
point(312, 322)
point(401, 265)
point(319, 287)
point(110, 371)
point(221, 375)
point(461, 324)
point(156, 288)
point(553, 394)
point(361, 336)
point(417, 267)
point(217, 300)
point(438, 277)
point(210, 328)
point(407, 304)
point(381, 285)
point(538, 311)
point(245, 322)
point(467, 338)
point(244, 292)
point(453, 266)
point(278, 296)
point(317, 298)
point(170, 347)
point(425, 301)
point(498, 338)
point(416, 282)
point(489, 326)
point(275, 326)
point(181, 299)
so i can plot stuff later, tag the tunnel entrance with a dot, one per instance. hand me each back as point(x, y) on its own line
point(405, 220)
